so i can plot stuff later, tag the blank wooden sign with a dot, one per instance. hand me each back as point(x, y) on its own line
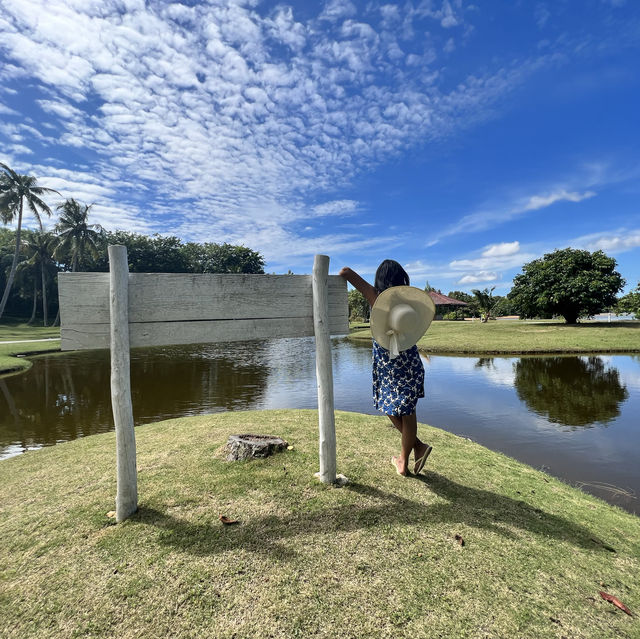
point(184, 308)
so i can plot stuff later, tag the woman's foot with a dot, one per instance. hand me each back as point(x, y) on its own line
point(420, 455)
point(399, 465)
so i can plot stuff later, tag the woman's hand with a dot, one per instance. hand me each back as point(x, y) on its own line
point(370, 293)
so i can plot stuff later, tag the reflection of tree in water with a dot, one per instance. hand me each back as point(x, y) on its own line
point(64, 397)
point(576, 391)
point(52, 403)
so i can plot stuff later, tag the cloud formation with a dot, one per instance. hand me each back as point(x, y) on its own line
point(487, 218)
point(218, 110)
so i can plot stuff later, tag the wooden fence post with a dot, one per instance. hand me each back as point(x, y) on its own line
point(324, 373)
point(127, 477)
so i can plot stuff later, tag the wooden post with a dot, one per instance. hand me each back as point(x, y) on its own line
point(127, 478)
point(324, 373)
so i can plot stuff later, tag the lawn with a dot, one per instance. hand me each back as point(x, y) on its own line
point(13, 331)
point(17, 330)
point(515, 336)
point(380, 557)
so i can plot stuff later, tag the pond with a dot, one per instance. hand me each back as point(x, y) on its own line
point(574, 417)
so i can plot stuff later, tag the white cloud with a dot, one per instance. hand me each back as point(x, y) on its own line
point(609, 241)
point(490, 217)
point(479, 276)
point(536, 202)
point(501, 250)
point(336, 207)
point(4, 109)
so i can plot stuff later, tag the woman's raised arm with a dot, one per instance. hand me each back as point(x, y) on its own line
point(368, 291)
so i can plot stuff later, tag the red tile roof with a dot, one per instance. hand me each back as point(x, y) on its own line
point(439, 300)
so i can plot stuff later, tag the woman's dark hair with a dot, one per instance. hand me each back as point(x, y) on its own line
point(389, 274)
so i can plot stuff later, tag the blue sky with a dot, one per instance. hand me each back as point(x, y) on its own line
point(462, 139)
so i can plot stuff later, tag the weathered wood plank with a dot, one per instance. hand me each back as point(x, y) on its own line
point(94, 336)
point(171, 297)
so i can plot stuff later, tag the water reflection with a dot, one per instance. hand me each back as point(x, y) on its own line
point(68, 396)
point(574, 391)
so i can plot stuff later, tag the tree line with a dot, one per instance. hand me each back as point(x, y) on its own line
point(568, 283)
point(31, 260)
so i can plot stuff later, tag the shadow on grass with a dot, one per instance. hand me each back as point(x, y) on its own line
point(370, 508)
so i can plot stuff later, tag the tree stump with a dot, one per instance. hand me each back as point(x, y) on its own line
point(240, 447)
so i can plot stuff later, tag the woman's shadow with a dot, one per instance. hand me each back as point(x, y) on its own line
point(457, 504)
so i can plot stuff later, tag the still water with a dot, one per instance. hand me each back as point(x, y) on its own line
point(574, 417)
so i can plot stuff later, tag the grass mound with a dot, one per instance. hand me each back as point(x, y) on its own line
point(376, 558)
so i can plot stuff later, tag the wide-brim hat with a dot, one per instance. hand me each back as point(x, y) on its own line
point(400, 317)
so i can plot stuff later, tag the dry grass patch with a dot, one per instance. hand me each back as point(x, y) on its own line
point(376, 558)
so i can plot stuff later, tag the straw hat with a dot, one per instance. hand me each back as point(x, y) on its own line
point(400, 317)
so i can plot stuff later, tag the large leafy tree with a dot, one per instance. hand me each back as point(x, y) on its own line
point(15, 191)
point(630, 303)
point(358, 306)
point(569, 282)
point(222, 258)
point(76, 237)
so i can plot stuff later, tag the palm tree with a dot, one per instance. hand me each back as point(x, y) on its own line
point(485, 302)
point(40, 246)
point(77, 237)
point(15, 190)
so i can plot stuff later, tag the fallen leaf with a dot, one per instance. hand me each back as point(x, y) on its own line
point(111, 514)
point(226, 521)
point(460, 540)
point(615, 601)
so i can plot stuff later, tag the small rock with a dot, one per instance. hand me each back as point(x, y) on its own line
point(240, 447)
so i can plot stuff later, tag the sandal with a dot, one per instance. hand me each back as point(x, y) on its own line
point(419, 465)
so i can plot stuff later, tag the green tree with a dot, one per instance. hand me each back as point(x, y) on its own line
point(504, 306)
point(77, 239)
point(485, 302)
point(40, 246)
point(15, 191)
point(569, 282)
point(222, 258)
point(358, 306)
point(145, 254)
point(460, 312)
point(629, 303)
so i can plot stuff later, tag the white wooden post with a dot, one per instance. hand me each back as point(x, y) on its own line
point(127, 478)
point(324, 373)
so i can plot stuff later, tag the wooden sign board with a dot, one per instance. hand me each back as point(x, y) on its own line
point(184, 308)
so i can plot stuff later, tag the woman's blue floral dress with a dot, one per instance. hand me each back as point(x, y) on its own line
point(397, 383)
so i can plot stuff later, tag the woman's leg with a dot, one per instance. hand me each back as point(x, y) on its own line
point(419, 447)
point(409, 437)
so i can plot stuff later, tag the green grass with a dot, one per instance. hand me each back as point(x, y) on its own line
point(15, 330)
point(514, 336)
point(377, 558)
point(18, 330)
